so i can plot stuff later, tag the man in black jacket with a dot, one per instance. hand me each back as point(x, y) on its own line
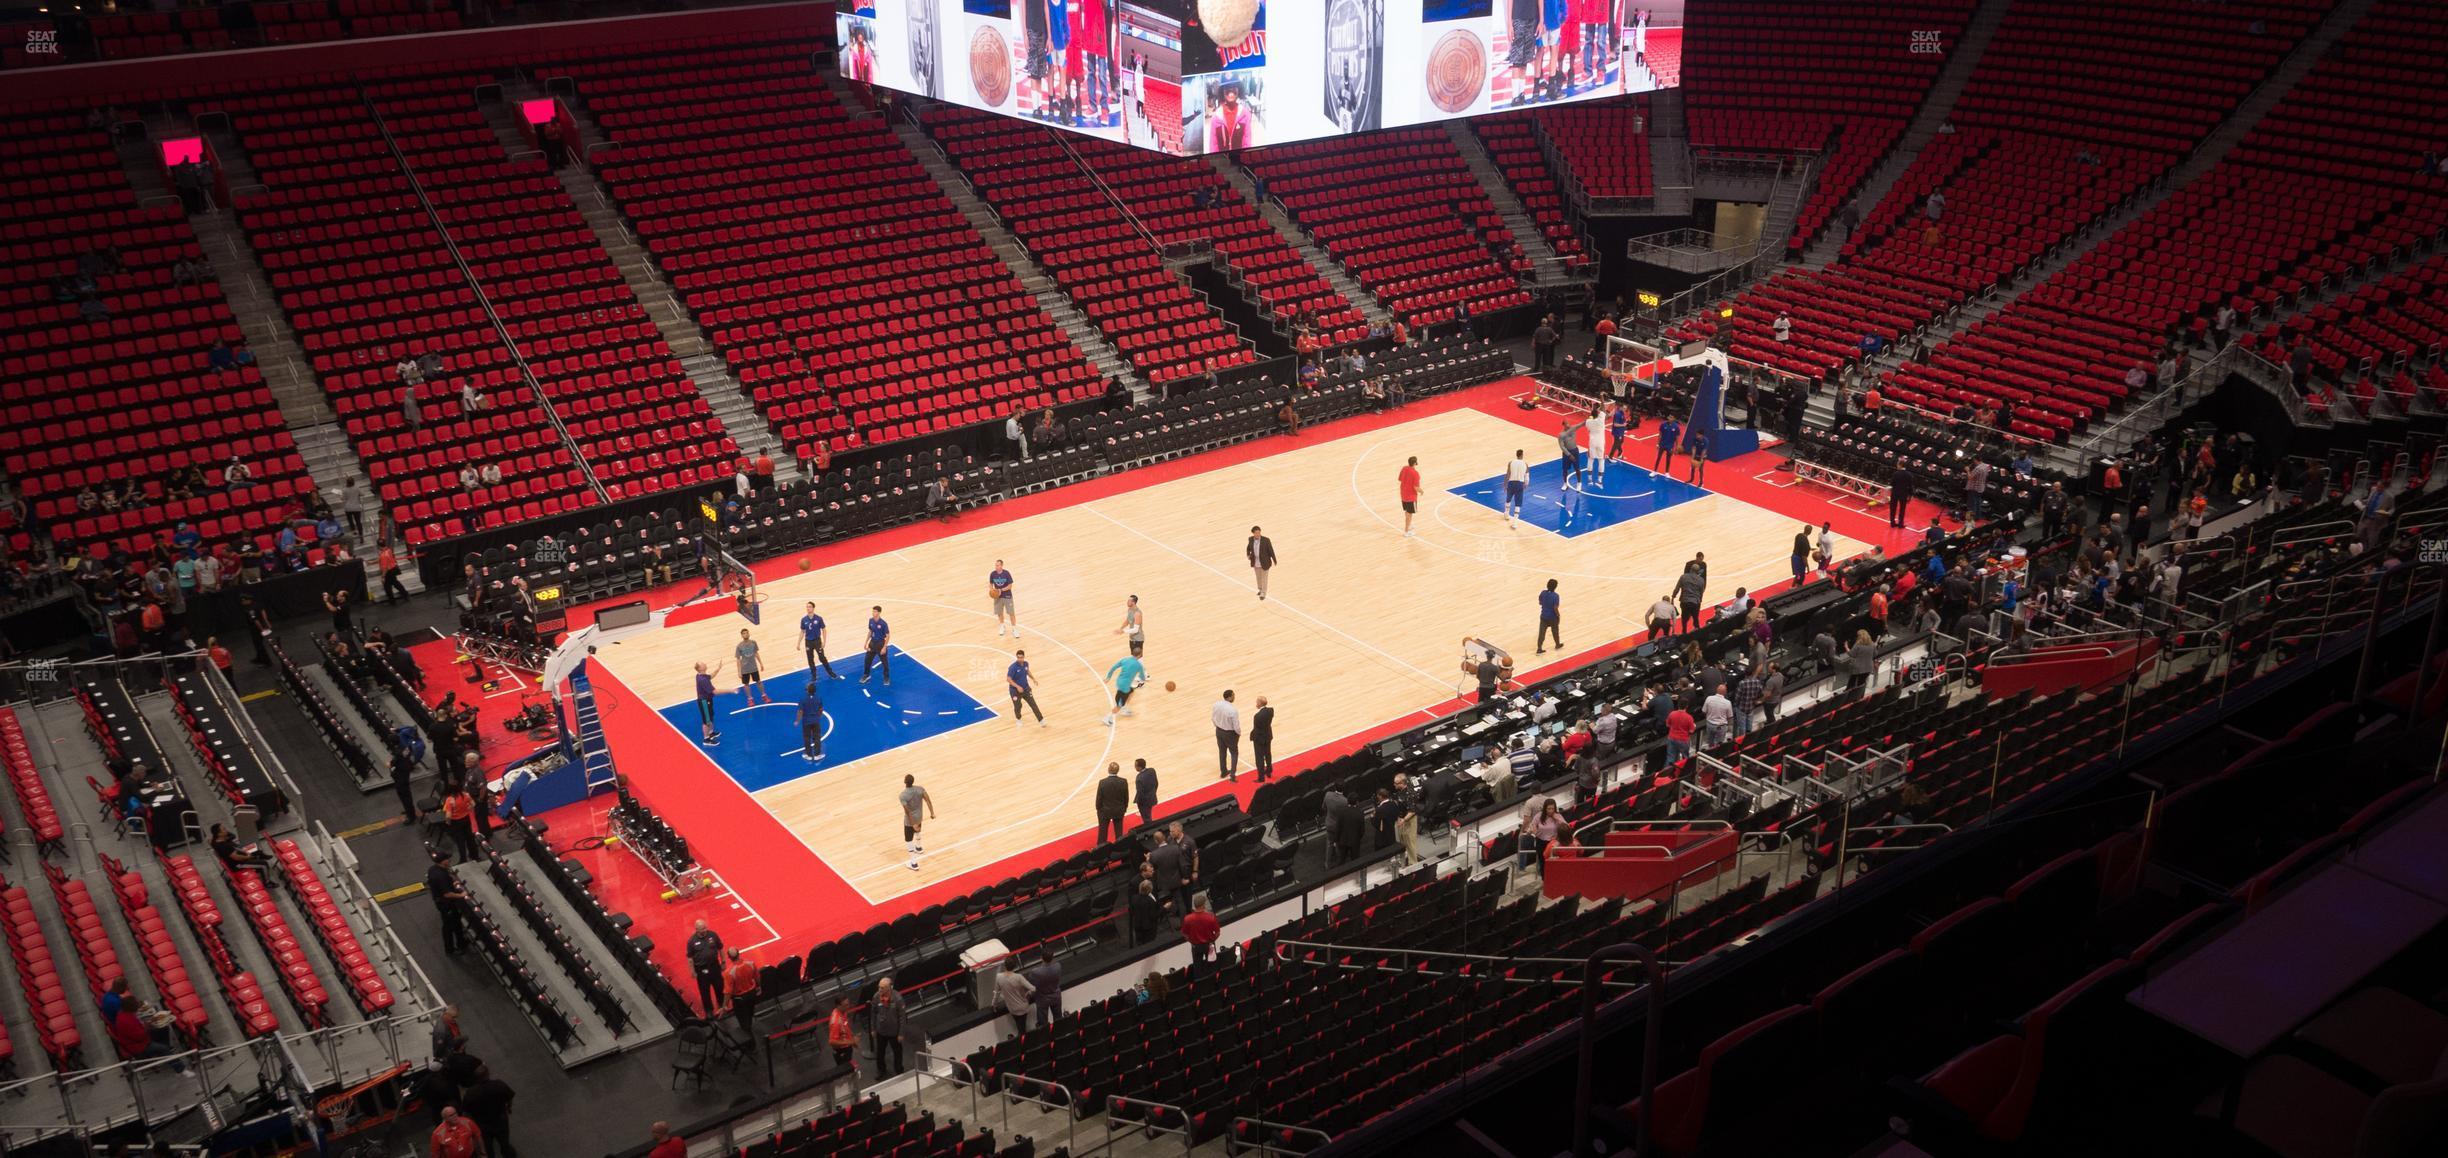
point(1899, 494)
point(1112, 801)
point(450, 902)
point(1145, 792)
point(1172, 867)
point(705, 956)
point(1262, 740)
point(487, 1103)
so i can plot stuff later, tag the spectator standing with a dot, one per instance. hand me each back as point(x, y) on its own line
point(1016, 996)
point(1144, 792)
point(1718, 710)
point(1543, 344)
point(839, 1035)
point(1112, 801)
point(1146, 913)
point(666, 1143)
point(459, 811)
point(387, 560)
point(1045, 978)
point(1227, 720)
point(1262, 740)
point(1201, 929)
point(1171, 863)
point(1863, 660)
point(456, 1136)
point(1691, 588)
point(487, 1103)
point(1679, 728)
point(888, 1028)
point(740, 984)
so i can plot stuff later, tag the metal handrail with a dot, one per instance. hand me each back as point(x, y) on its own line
point(1261, 1128)
point(1068, 1107)
point(1180, 1112)
point(1494, 961)
point(1586, 1069)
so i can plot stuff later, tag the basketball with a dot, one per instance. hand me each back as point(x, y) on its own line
point(1168, 685)
point(805, 563)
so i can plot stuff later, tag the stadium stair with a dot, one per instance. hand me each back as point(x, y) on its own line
point(1333, 271)
point(1108, 361)
point(706, 370)
point(1670, 159)
point(320, 442)
point(1550, 273)
point(1961, 61)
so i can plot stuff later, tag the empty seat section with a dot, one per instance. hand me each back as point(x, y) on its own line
point(1105, 260)
point(604, 366)
point(368, 282)
point(1403, 213)
point(1791, 74)
point(846, 292)
point(107, 376)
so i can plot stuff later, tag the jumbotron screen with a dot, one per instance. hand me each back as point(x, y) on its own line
point(1205, 76)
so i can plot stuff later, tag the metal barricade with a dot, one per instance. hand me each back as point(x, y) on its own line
point(1146, 1120)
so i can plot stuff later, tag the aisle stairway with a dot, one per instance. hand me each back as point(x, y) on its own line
point(1294, 236)
point(1108, 361)
point(1962, 59)
point(1670, 158)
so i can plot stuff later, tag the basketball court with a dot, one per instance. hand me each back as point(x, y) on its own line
point(1361, 634)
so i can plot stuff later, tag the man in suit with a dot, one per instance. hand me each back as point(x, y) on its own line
point(1347, 828)
point(1046, 978)
point(1167, 859)
point(1112, 801)
point(1261, 554)
point(1262, 739)
point(1145, 791)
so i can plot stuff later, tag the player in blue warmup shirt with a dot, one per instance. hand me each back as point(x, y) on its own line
point(812, 638)
point(879, 634)
point(999, 594)
point(1017, 677)
point(811, 724)
point(1551, 609)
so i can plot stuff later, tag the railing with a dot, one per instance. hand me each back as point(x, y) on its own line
point(1264, 1131)
point(1422, 961)
point(1089, 171)
point(1067, 1108)
point(2197, 380)
point(543, 403)
point(1146, 1120)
